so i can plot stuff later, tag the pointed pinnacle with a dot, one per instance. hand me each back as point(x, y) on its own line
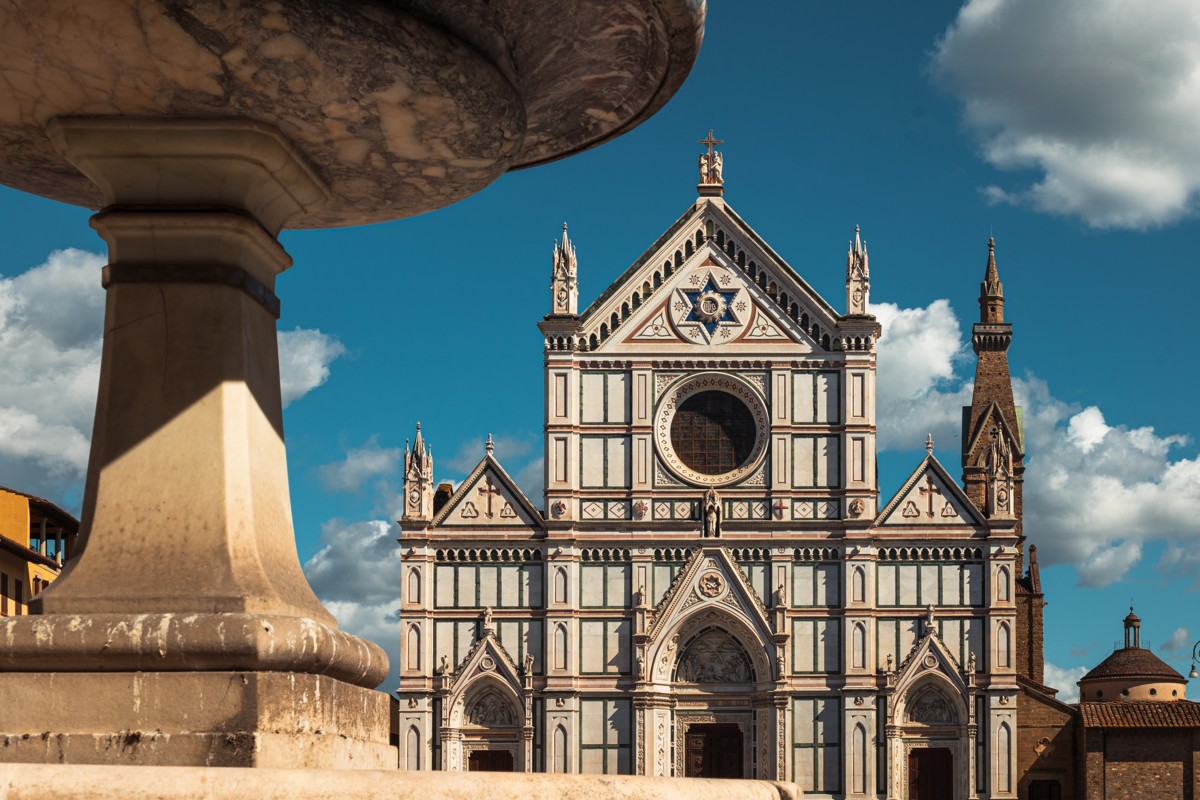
point(929, 444)
point(489, 445)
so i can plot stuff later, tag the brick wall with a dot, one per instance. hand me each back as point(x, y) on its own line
point(1046, 750)
point(1142, 764)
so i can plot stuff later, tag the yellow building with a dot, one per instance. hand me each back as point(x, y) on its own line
point(36, 538)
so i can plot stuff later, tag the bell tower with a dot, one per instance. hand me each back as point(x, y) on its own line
point(564, 286)
point(418, 480)
point(993, 452)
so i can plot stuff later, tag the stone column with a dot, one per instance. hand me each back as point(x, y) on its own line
point(183, 631)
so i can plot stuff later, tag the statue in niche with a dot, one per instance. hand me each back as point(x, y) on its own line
point(715, 657)
point(491, 711)
point(931, 708)
point(712, 514)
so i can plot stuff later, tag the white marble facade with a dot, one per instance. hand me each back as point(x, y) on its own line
point(656, 599)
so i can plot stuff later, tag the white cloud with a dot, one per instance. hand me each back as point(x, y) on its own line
point(360, 465)
point(1179, 643)
point(51, 323)
point(1100, 96)
point(304, 359)
point(1095, 493)
point(917, 392)
point(1107, 565)
point(50, 334)
point(356, 574)
point(1065, 680)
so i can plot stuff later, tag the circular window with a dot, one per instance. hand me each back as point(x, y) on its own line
point(713, 432)
point(711, 429)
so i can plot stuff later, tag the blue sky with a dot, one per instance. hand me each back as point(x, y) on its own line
point(1065, 132)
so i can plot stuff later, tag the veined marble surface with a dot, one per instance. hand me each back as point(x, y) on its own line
point(401, 107)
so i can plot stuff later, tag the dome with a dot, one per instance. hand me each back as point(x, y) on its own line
point(1132, 673)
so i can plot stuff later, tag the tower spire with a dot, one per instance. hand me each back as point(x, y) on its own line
point(418, 480)
point(991, 291)
point(858, 276)
point(564, 284)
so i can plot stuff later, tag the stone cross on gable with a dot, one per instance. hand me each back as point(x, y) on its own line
point(489, 491)
point(710, 142)
point(929, 489)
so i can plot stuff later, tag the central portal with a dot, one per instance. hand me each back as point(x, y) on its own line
point(930, 774)
point(490, 761)
point(714, 751)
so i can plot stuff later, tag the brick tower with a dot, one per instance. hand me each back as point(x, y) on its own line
point(993, 455)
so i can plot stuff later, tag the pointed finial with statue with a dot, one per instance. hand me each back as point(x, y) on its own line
point(564, 283)
point(858, 276)
point(712, 180)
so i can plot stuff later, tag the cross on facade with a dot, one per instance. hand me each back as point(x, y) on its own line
point(930, 490)
point(710, 142)
point(779, 507)
point(489, 491)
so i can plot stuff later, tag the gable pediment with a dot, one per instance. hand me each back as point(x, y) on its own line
point(710, 282)
point(930, 497)
point(978, 440)
point(488, 497)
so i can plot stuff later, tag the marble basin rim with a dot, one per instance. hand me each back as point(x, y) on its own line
point(400, 106)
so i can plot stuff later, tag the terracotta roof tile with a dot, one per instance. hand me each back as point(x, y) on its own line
point(1141, 714)
point(1132, 662)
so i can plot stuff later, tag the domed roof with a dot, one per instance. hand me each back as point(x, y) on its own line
point(1133, 662)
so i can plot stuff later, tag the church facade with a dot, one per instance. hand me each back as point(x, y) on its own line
point(713, 585)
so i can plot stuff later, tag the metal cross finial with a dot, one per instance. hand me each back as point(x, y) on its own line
point(710, 142)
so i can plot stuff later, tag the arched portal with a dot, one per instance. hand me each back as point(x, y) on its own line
point(487, 729)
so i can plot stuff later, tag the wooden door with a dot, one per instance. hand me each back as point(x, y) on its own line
point(714, 751)
point(490, 761)
point(930, 774)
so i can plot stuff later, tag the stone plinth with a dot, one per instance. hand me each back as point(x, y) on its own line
point(250, 719)
point(167, 783)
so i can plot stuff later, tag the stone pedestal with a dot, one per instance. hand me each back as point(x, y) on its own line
point(185, 620)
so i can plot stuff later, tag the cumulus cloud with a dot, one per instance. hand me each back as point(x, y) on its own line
point(1065, 680)
point(1095, 492)
point(1100, 96)
point(304, 359)
point(360, 465)
point(1108, 564)
point(50, 333)
point(1179, 643)
point(356, 574)
point(51, 325)
point(917, 390)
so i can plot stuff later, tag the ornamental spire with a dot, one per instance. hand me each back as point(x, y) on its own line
point(991, 291)
point(858, 276)
point(564, 284)
point(712, 182)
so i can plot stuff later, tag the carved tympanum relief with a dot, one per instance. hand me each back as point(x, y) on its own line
point(714, 657)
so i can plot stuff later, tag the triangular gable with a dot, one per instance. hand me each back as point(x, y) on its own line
point(929, 659)
point(487, 657)
point(992, 415)
point(711, 591)
point(695, 585)
point(488, 497)
point(930, 497)
point(708, 231)
point(740, 312)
